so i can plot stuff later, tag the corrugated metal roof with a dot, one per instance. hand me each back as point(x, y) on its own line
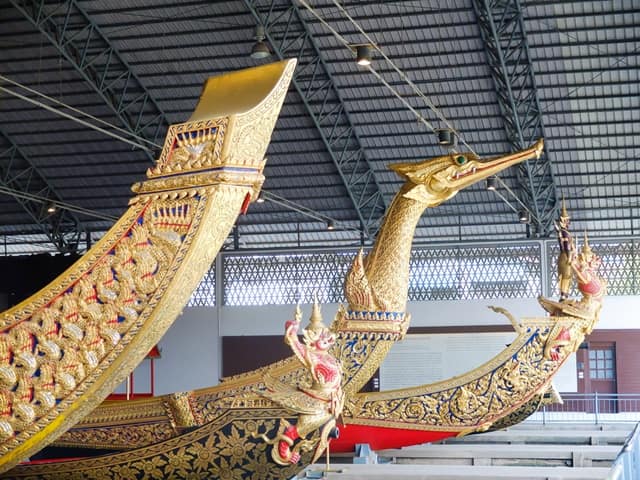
point(585, 56)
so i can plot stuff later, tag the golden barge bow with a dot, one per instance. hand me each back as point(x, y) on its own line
point(68, 346)
point(167, 432)
point(233, 430)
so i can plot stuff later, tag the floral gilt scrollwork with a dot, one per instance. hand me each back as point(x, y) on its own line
point(47, 355)
point(221, 449)
point(481, 396)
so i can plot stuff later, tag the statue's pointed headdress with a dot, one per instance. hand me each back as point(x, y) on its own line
point(316, 327)
point(563, 211)
point(586, 248)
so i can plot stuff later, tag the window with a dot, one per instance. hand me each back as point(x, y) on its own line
point(601, 364)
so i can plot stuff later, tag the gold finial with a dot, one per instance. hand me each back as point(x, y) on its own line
point(563, 212)
point(315, 321)
point(585, 247)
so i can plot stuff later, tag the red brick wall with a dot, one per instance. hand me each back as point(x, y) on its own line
point(627, 345)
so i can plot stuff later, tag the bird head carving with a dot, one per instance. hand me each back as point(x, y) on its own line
point(438, 179)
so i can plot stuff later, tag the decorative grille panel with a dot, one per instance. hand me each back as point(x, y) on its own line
point(620, 262)
point(476, 272)
point(285, 279)
point(205, 293)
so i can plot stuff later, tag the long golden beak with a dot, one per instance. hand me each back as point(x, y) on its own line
point(487, 168)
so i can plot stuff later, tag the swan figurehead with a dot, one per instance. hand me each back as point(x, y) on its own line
point(438, 179)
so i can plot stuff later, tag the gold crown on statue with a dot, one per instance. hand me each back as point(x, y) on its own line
point(563, 212)
point(316, 327)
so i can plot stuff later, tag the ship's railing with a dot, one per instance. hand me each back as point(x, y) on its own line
point(591, 408)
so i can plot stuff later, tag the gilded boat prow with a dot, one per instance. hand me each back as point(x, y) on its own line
point(236, 93)
point(70, 344)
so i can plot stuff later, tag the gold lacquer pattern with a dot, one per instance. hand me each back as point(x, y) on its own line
point(123, 437)
point(55, 349)
point(191, 146)
point(222, 449)
point(182, 410)
point(64, 349)
point(519, 415)
point(482, 396)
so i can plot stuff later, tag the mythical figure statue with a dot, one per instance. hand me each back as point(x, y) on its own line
point(591, 285)
point(318, 404)
point(584, 267)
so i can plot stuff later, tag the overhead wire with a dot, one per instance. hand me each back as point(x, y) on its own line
point(414, 87)
point(76, 119)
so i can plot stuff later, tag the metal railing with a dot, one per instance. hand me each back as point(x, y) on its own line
point(591, 408)
point(627, 464)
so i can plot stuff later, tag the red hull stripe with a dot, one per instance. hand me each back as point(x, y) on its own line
point(380, 438)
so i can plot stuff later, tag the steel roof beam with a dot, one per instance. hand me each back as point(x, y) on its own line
point(19, 174)
point(70, 30)
point(289, 36)
point(502, 30)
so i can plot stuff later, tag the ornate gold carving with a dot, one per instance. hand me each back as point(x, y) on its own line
point(118, 438)
point(181, 409)
point(480, 397)
point(380, 282)
point(365, 334)
point(318, 404)
point(191, 147)
point(519, 415)
point(67, 347)
point(223, 448)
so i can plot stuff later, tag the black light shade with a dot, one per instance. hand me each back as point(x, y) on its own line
point(524, 216)
point(330, 225)
point(491, 183)
point(445, 136)
point(260, 49)
point(363, 55)
point(51, 208)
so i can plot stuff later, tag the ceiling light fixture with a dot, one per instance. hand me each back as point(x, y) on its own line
point(524, 216)
point(446, 137)
point(491, 184)
point(260, 49)
point(363, 55)
point(331, 225)
point(51, 208)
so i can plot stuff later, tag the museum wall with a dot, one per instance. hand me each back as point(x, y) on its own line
point(189, 353)
point(192, 351)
